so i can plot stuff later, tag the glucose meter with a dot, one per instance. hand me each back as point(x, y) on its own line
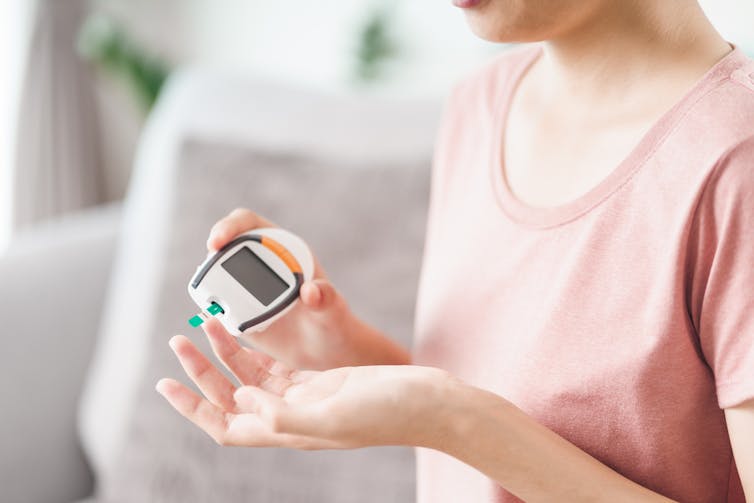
point(251, 281)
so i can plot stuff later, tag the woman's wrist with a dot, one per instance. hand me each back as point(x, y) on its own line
point(457, 414)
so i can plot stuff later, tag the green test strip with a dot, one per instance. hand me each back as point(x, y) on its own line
point(214, 309)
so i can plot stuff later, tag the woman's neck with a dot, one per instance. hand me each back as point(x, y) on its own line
point(610, 53)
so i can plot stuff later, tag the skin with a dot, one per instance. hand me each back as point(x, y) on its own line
point(609, 69)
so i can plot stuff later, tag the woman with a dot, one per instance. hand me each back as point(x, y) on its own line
point(585, 320)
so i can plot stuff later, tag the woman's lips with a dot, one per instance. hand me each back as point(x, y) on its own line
point(466, 4)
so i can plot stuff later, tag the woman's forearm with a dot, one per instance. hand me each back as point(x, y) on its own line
point(526, 458)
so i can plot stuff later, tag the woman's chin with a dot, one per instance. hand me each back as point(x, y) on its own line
point(466, 4)
point(505, 21)
point(481, 26)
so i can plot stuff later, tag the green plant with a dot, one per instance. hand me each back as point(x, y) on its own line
point(105, 43)
point(375, 45)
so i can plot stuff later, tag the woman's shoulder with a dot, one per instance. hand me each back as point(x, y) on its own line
point(729, 90)
point(715, 121)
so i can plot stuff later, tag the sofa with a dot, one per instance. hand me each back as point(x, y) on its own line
point(90, 300)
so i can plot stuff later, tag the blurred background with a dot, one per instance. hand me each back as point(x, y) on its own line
point(128, 47)
point(127, 127)
point(119, 52)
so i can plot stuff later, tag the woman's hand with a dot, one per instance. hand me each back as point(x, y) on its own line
point(353, 407)
point(342, 408)
point(320, 331)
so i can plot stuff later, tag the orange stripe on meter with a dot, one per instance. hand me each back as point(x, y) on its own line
point(283, 253)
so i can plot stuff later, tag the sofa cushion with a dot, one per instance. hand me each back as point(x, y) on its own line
point(366, 225)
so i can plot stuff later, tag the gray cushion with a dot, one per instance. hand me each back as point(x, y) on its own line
point(366, 225)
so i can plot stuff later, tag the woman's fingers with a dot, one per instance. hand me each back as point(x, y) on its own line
point(215, 386)
point(208, 417)
point(249, 367)
point(227, 428)
point(318, 294)
point(236, 222)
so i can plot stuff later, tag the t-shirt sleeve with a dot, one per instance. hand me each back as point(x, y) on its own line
point(721, 303)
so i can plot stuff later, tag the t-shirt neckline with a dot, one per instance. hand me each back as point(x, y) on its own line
point(552, 216)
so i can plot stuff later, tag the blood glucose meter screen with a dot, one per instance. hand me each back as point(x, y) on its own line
point(255, 276)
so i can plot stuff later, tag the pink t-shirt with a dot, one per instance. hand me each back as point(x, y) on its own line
point(622, 320)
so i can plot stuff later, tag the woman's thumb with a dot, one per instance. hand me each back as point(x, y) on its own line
point(318, 294)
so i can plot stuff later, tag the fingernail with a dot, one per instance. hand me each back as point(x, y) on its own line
point(159, 387)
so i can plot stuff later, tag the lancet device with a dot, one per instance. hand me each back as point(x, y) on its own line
point(251, 281)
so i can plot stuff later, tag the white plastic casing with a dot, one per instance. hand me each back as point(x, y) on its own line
point(239, 304)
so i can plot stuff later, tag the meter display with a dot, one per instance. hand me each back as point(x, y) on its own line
point(252, 280)
point(255, 276)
